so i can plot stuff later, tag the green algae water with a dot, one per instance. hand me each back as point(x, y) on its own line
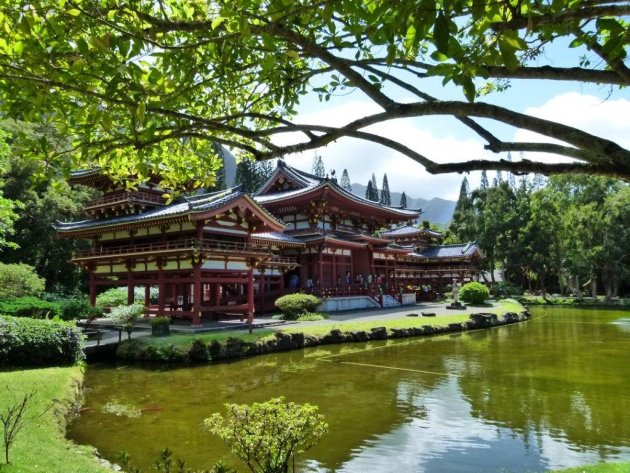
point(549, 393)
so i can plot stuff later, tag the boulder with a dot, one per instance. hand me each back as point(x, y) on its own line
point(378, 333)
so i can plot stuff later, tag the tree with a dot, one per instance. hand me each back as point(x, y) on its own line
point(318, 167)
point(484, 180)
point(374, 188)
point(19, 280)
point(249, 175)
point(370, 193)
point(386, 199)
point(345, 181)
point(8, 207)
point(462, 227)
point(146, 86)
point(266, 435)
point(403, 200)
point(15, 416)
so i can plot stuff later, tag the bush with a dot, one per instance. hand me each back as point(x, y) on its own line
point(19, 280)
point(73, 309)
point(30, 307)
point(474, 293)
point(28, 342)
point(312, 316)
point(157, 321)
point(117, 296)
point(124, 317)
point(294, 305)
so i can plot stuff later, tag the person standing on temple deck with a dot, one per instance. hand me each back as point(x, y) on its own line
point(309, 284)
point(348, 279)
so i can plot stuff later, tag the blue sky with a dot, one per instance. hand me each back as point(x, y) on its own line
point(593, 108)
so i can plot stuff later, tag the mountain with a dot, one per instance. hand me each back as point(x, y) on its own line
point(229, 162)
point(435, 210)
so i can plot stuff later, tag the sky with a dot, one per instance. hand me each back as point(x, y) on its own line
point(596, 109)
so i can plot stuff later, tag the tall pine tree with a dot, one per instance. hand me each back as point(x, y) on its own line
point(370, 194)
point(374, 187)
point(318, 167)
point(462, 224)
point(248, 176)
point(345, 181)
point(403, 200)
point(484, 184)
point(386, 199)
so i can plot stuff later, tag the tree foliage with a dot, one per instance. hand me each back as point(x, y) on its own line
point(403, 200)
point(371, 193)
point(345, 181)
point(19, 280)
point(150, 85)
point(572, 230)
point(474, 293)
point(386, 198)
point(318, 166)
point(266, 435)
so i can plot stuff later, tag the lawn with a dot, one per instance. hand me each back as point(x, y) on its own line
point(183, 341)
point(41, 446)
point(599, 468)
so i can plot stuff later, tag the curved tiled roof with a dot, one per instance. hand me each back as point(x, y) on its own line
point(278, 237)
point(409, 230)
point(184, 206)
point(450, 251)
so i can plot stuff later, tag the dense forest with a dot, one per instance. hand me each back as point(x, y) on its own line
point(569, 234)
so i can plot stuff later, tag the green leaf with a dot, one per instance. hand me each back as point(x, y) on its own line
point(140, 110)
point(73, 12)
point(441, 33)
point(217, 22)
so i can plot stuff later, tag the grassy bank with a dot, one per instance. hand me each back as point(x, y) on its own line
point(41, 446)
point(600, 301)
point(235, 344)
point(599, 468)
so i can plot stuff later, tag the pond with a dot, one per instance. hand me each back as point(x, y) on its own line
point(544, 394)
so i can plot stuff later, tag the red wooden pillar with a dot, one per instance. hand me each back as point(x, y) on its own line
point(394, 274)
point(162, 291)
point(130, 294)
point(92, 288)
point(250, 297)
point(147, 295)
point(334, 268)
point(196, 316)
point(320, 267)
point(261, 288)
point(217, 293)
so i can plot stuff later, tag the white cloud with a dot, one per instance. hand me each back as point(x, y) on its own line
point(605, 118)
point(443, 139)
point(362, 158)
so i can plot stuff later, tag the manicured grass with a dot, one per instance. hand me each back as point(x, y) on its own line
point(184, 341)
point(501, 307)
point(599, 468)
point(41, 446)
point(406, 322)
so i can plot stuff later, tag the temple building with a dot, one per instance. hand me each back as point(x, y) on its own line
point(230, 253)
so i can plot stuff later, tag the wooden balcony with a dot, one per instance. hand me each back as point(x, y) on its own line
point(188, 245)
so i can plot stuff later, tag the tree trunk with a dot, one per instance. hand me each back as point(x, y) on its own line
point(594, 285)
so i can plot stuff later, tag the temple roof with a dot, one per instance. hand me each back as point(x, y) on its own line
point(185, 206)
point(461, 250)
point(409, 231)
point(277, 237)
point(310, 183)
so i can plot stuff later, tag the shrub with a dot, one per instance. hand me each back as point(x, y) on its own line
point(474, 293)
point(19, 280)
point(294, 305)
point(124, 317)
point(156, 321)
point(76, 308)
point(26, 342)
point(117, 296)
point(30, 307)
point(312, 316)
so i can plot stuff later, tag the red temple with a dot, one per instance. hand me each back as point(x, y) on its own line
point(231, 253)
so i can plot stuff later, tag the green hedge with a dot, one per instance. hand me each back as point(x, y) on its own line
point(117, 296)
point(77, 308)
point(474, 293)
point(32, 342)
point(30, 307)
point(294, 305)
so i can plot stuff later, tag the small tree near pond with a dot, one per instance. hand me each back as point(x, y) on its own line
point(124, 317)
point(14, 417)
point(474, 293)
point(266, 435)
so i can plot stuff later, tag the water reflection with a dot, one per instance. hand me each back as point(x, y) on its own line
point(544, 394)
